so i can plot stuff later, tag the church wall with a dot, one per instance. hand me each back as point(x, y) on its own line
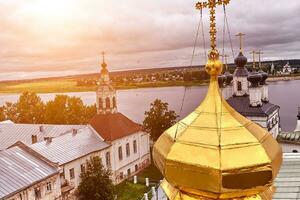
point(76, 165)
point(245, 85)
point(135, 161)
point(289, 147)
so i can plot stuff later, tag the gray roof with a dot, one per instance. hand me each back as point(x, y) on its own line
point(242, 105)
point(289, 137)
point(19, 169)
point(70, 146)
point(12, 133)
point(288, 181)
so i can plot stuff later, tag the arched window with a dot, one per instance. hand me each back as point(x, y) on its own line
point(239, 86)
point(114, 102)
point(107, 155)
point(107, 101)
point(100, 103)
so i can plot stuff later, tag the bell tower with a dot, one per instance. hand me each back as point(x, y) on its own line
point(106, 94)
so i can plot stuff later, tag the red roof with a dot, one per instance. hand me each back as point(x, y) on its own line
point(114, 126)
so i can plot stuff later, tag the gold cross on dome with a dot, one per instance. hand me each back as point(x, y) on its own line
point(241, 35)
point(212, 4)
point(259, 53)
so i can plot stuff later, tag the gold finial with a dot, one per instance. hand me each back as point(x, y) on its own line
point(241, 35)
point(259, 53)
point(214, 65)
point(253, 59)
point(104, 65)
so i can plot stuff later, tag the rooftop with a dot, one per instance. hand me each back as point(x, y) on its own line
point(114, 126)
point(19, 169)
point(71, 146)
point(11, 133)
point(242, 105)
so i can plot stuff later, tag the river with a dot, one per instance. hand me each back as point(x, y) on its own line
point(133, 103)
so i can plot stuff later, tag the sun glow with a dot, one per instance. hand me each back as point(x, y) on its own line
point(51, 10)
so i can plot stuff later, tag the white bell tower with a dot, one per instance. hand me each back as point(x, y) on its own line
point(106, 94)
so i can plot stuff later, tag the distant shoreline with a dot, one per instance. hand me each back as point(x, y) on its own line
point(70, 85)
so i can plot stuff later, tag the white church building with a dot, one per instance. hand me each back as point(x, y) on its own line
point(248, 94)
point(58, 153)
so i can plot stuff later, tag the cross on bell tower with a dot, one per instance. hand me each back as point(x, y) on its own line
point(241, 35)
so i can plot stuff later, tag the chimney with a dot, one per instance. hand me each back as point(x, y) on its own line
point(255, 93)
point(74, 131)
point(41, 129)
point(48, 140)
point(33, 139)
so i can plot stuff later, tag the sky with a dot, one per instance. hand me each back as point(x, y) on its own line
point(42, 38)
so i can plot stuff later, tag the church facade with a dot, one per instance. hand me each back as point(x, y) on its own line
point(248, 93)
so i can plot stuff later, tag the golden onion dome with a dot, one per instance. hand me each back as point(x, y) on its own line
point(216, 153)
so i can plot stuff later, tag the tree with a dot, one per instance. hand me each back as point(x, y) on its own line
point(10, 112)
point(158, 119)
point(30, 108)
point(2, 115)
point(95, 182)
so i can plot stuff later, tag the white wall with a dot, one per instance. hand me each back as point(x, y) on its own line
point(141, 158)
point(245, 86)
point(29, 193)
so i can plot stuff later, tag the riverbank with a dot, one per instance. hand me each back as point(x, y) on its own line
point(70, 85)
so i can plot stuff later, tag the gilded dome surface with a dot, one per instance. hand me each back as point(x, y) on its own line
point(216, 153)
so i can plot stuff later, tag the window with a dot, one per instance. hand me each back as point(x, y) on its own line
point(120, 153)
point(100, 103)
point(114, 102)
point(21, 196)
point(97, 159)
point(239, 86)
point(127, 150)
point(134, 146)
point(107, 158)
point(128, 172)
point(107, 101)
point(37, 193)
point(48, 187)
point(136, 167)
point(121, 175)
point(72, 173)
point(82, 167)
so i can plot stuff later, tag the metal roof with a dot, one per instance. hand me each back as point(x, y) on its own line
point(242, 105)
point(11, 133)
point(288, 181)
point(19, 170)
point(71, 146)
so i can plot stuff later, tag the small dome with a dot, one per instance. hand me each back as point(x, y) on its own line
point(221, 80)
point(229, 77)
point(255, 78)
point(264, 77)
point(241, 60)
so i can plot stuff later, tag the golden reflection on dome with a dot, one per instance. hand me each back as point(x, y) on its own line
point(216, 153)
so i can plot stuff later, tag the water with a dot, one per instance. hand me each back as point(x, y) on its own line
point(133, 103)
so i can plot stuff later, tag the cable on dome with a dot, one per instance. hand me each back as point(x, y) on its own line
point(200, 25)
point(228, 29)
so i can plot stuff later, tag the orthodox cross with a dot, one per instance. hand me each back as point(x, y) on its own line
point(259, 53)
point(253, 54)
point(103, 56)
point(212, 4)
point(241, 35)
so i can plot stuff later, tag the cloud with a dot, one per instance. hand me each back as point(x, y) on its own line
point(134, 33)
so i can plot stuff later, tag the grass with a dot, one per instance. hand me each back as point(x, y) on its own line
point(70, 85)
point(129, 191)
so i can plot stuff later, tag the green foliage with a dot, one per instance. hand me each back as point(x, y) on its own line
point(30, 108)
point(62, 110)
point(158, 119)
point(129, 191)
point(95, 182)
